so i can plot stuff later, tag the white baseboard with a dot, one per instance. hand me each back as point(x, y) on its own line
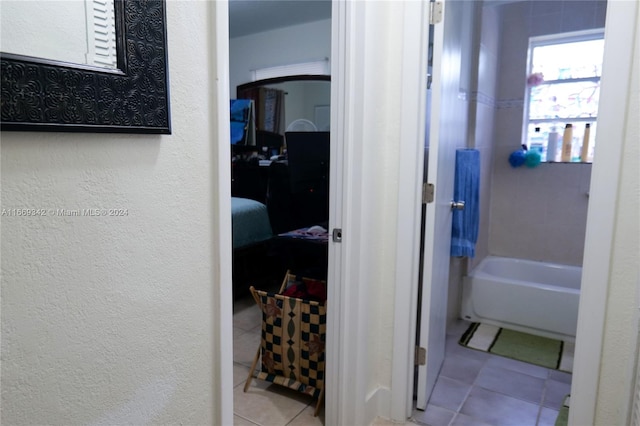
point(378, 404)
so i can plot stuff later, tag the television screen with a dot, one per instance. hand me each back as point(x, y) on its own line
point(242, 122)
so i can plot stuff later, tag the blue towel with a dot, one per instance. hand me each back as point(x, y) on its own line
point(464, 228)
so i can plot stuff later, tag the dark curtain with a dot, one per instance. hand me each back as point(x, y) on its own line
point(269, 105)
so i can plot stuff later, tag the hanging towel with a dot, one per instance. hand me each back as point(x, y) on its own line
point(464, 228)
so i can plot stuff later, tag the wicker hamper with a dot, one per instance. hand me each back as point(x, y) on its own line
point(292, 346)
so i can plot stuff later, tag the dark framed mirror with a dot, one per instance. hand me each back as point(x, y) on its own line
point(305, 102)
point(292, 114)
point(50, 95)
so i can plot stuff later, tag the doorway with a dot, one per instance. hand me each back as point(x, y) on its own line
point(484, 95)
point(282, 38)
point(586, 289)
point(352, 405)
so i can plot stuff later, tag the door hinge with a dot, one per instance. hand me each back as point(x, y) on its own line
point(435, 12)
point(421, 356)
point(427, 193)
point(337, 235)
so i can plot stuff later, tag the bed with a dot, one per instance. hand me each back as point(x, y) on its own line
point(251, 233)
point(250, 222)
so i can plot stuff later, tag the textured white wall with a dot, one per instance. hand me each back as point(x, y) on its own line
point(290, 45)
point(109, 320)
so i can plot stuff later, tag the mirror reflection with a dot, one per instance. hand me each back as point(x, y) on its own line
point(284, 160)
point(306, 104)
point(290, 105)
point(73, 31)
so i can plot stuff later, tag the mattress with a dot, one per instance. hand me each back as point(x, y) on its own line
point(250, 222)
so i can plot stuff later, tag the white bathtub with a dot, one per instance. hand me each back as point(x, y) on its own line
point(535, 297)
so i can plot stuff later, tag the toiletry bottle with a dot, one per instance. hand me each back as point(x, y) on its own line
point(537, 141)
point(552, 145)
point(584, 153)
point(567, 140)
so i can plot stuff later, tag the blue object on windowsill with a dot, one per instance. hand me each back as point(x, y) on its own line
point(529, 157)
point(518, 157)
point(532, 158)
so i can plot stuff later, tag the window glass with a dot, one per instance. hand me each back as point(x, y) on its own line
point(581, 59)
point(564, 100)
point(564, 88)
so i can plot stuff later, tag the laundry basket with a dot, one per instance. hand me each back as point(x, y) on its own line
point(292, 344)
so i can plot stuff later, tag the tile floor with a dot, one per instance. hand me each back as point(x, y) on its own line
point(474, 388)
point(263, 404)
point(480, 389)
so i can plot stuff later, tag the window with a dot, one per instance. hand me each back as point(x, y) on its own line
point(570, 65)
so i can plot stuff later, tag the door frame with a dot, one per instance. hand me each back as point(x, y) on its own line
point(413, 133)
point(620, 21)
point(346, 393)
point(222, 318)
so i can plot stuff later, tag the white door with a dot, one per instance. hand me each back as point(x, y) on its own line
point(446, 131)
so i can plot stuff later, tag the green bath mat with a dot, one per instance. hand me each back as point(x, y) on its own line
point(563, 415)
point(549, 353)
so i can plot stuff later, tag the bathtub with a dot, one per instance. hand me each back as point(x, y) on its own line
point(534, 297)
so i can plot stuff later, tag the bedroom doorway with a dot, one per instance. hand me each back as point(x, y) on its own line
point(278, 59)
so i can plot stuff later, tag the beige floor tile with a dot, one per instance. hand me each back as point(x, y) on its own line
point(240, 374)
point(306, 417)
point(239, 421)
point(247, 317)
point(245, 346)
point(267, 404)
point(379, 421)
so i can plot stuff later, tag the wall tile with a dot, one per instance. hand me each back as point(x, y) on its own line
point(547, 24)
point(513, 61)
point(485, 116)
point(508, 127)
point(487, 72)
point(535, 213)
point(601, 13)
point(517, 13)
point(491, 28)
point(545, 7)
point(577, 15)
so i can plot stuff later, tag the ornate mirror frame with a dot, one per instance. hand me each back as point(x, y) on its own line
point(47, 95)
point(298, 77)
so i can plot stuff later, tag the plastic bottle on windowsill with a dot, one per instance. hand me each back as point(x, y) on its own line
point(552, 145)
point(537, 141)
point(567, 143)
point(584, 152)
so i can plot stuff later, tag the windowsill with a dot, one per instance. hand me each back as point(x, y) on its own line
point(566, 162)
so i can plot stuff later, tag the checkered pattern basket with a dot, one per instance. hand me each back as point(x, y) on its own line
point(292, 347)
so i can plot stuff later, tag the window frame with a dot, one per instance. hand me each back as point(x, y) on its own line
point(548, 40)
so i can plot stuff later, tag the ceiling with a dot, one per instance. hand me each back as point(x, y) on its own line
point(255, 16)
